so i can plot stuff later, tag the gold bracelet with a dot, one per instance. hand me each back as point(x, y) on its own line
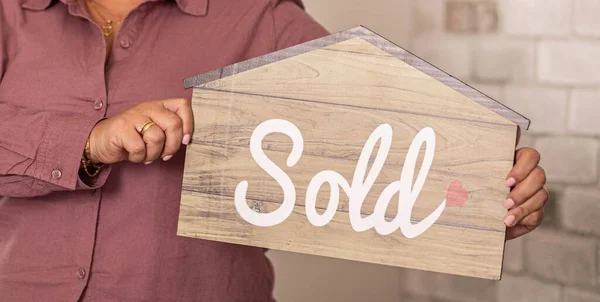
point(86, 163)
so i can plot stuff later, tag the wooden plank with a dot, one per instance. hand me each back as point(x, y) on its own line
point(376, 40)
point(443, 249)
point(335, 98)
point(224, 126)
point(376, 79)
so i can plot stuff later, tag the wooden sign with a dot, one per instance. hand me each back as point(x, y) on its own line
point(350, 147)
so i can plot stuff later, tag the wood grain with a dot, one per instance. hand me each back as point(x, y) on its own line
point(377, 79)
point(337, 96)
point(223, 129)
point(442, 248)
point(381, 43)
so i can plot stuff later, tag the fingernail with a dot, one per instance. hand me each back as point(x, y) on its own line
point(166, 158)
point(509, 220)
point(186, 139)
point(509, 203)
point(148, 162)
point(510, 182)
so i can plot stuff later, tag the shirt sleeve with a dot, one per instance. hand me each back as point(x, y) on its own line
point(293, 25)
point(40, 151)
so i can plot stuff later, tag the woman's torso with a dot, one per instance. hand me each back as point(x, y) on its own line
point(118, 243)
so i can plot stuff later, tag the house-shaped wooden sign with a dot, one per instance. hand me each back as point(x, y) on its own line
point(350, 147)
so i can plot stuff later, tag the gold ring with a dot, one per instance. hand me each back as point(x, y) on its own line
point(145, 127)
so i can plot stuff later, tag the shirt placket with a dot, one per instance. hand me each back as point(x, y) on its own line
point(122, 52)
point(98, 104)
point(123, 44)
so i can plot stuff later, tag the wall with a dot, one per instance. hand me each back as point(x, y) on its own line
point(539, 57)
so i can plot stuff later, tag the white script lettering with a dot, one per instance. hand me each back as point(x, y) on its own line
point(357, 191)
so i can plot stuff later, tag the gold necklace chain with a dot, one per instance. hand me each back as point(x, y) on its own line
point(107, 28)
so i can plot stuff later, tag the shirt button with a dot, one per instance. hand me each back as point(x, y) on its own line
point(80, 273)
point(125, 43)
point(56, 174)
point(98, 104)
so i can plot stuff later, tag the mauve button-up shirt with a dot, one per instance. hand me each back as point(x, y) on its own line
point(64, 237)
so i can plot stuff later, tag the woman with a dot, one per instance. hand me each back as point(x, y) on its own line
point(94, 121)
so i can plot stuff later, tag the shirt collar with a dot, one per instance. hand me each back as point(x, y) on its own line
point(192, 7)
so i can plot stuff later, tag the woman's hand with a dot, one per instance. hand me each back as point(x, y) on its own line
point(118, 138)
point(528, 197)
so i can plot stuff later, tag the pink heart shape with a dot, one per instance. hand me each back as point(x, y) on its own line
point(456, 196)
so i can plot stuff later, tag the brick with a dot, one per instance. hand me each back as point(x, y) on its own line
point(579, 210)
point(535, 17)
point(504, 60)
point(566, 258)
point(571, 160)
point(526, 289)
point(551, 208)
point(585, 107)
point(569, 62)
point(471, 16)
point(447, 287)
point(428, 16)
point(461, 17)
point(545, 107)
point(449, 53)
point(513, 256)
point(586, 21)
point(576, 295)
point(487, 16)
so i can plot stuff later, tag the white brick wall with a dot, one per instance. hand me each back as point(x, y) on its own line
point(535, 17)
point(569, 62)
point(576, 295)
point(544, 62)
point(504, 59)
point(454, 57)
point(428, 16)
point(446, 287)
point(567, 159)
point(526, 289)
point(585, 111)
point(585, 17)
point(513, 256)
point(580, 210)
point(561, 257)
point(546, 107)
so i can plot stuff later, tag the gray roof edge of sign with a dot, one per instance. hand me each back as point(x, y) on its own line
point(380, 42)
